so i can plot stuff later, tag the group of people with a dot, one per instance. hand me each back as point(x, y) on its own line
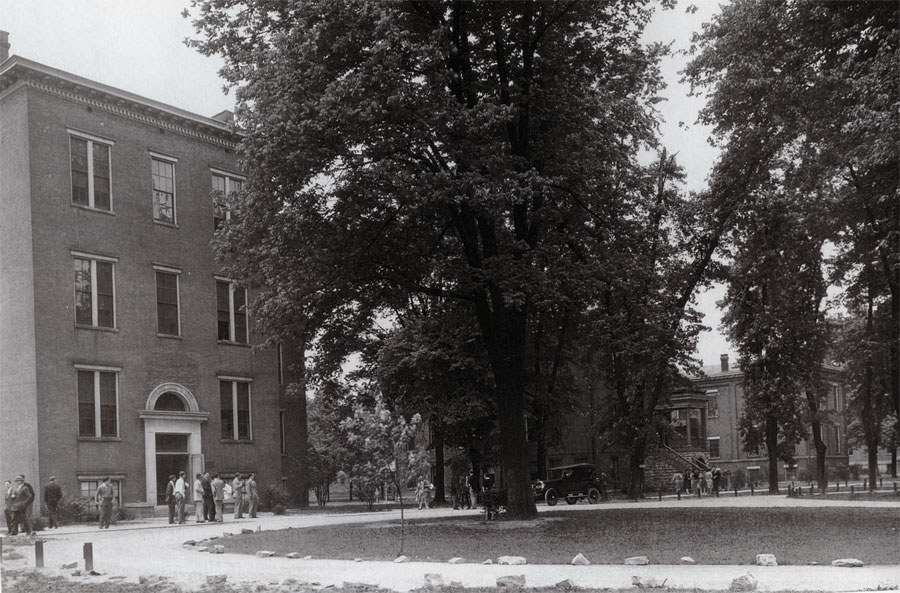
point(19, 506)
point(209, 495)
point(700, 482)
point(424, 490)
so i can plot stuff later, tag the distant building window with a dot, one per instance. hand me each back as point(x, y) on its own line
point(168, 321)
point(231, 312)
point(88, 489)
point(223, 185)
point(714, 452)
point(163, 174)
point(90, 159)
point(712, 397)
point(234, 399)
point(95, 294)
point(98, 415)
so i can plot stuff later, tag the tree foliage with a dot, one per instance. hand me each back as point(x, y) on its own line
point(483, 152)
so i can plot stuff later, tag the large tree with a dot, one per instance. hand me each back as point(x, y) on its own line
point(476, 151)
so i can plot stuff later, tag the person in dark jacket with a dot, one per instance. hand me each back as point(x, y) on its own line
point(7, 487)
point(20, 497)
point(209, 503)
point(52, 495)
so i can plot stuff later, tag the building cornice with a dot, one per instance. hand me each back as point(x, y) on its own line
point(17, 73)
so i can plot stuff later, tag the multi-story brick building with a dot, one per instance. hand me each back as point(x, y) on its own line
point(124, 352)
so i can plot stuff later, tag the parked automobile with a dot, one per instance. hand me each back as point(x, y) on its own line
point(575, 482)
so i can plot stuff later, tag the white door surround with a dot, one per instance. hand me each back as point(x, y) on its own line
point(170, 422)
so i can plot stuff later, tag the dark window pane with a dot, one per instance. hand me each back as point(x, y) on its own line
point(171, 443)
point(101, 176)
point(167, 303)
point(243, 410)
point(170, 402)
point(240, 315)
point(79, 171)
point(101, 193)
point(223, 311)
point(218, 194)
point(86, 423)
point(227, 407)
point(83, 292)
point(105, 304)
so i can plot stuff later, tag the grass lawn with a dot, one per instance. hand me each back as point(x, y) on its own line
point(709, 535)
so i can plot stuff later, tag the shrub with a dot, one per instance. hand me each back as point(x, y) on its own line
point(77, 510)
point(38, 524)
point(855, 470)
point(493, 500)
point(738, 479)
point(841, 472)
point(273, 496)
point(279, 509)
point(122, 514)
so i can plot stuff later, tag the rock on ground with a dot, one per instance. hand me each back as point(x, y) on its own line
point(766, 560)
point(265, 554)
point(745, 582)
point(216, 579)
point(511, 560)
point(513, 581)
point(637, 561)
point(580, 560)
point(457, 560)
point(488, 561)
point(400, 559)
point(433, 581)
point(847, 562)
point(687, 560)
point(292, 555)
point(219, 549)
point(648, 582)
point(565, 585)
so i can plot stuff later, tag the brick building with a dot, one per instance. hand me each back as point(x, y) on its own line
point(123, 349)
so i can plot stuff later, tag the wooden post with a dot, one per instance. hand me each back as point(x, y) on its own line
point(39, 554)
point(895, 486)
point(752, 492)
point(679, 493)
point(88, 556)
point(659, 492)
point(865, 484)
point(735, 490)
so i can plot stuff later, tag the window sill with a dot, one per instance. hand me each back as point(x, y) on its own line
point(99, 439)
point(98, 328)
point(170, 336)
point(93, 209)
point(173, 225)
point(237, 442)
point(230, 343)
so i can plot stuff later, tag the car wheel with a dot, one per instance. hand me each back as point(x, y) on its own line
point(593, 495)
point(571, 499)
point(551, 497)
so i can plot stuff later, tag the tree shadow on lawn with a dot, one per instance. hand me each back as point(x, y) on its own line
point(710, 536)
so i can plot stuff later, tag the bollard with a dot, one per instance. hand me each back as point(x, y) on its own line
point(851, 492)
point(865, 484)
point(660, 494)
point(837, 486)
point(895, 486)
point(751, 490)
point(735, 491)
point(679, 495)
point(881, 482)
point(88, 556)
point(39, 554)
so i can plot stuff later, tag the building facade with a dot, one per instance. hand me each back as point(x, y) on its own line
point(124, 351)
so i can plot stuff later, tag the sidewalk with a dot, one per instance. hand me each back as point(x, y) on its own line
point(152, 547)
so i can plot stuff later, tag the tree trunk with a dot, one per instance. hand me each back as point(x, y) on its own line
point(821, 451)
point(772, 450)
point(437, 439)
point(894, 462)
point(872, 449)
point(636, 472)
point(519, 497)
point(541, 454)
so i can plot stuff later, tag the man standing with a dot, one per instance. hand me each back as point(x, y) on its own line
point(170, 498)
point(237, 493)
point(29, 510)
point(52, 496)
point(209, 508)
point(105, 496)
point(218, 487)
point(7, 512)
point(198, 499)
point(252, 494)
point(180, 491)
point(19, 499)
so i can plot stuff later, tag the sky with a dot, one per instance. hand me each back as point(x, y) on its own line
point(138, 46)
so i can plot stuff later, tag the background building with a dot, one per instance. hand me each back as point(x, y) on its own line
point(123, 349)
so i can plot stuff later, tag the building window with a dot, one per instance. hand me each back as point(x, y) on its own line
point(281, 432)
point(163, 173)
point(223, 184)
point(280, 355)
point(712, 409)
point(831, 435)
point(168, 321)
point(231, 307)
point(98, 414)
point(714, 452)
point(234, 399)
point(95, 294)
point(88, 489)
point(90, 158)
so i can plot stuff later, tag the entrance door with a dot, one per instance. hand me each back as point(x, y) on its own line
point(171, 458)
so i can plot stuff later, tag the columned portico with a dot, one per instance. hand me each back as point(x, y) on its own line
point(172, 411)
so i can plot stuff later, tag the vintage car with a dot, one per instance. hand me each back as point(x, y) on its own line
point(575, 482)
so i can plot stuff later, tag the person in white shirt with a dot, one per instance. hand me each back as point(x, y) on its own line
point(180, 491)
point(198, 499)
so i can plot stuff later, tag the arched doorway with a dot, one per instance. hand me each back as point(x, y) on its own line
point(172, 421)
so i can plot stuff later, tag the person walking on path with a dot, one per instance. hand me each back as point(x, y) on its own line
point(209, 503)
point(198, 498)
point(603, 479)
point(52, 496)
point(105, 496)
point(237, 493)
point(180, 492)
point(252, 495)
point(19, 499)
point(170, 498)
point(218, 487)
